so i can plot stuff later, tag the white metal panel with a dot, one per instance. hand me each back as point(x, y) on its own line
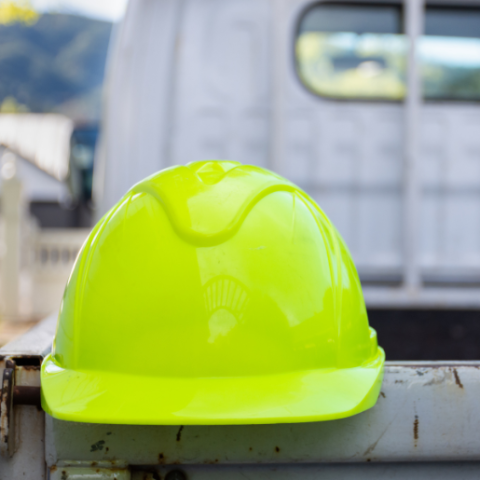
point(425, 413)
point(221, 92)
point(140, 83)
point(451, 179)
point(38, 185)
point(424, 425)
point(42, 139)
point(359, 180)
point(203, 79)
point(357, 176)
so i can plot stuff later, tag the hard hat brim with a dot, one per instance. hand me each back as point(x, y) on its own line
point(293, 397)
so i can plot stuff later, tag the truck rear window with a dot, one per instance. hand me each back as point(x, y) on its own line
point(355, 51)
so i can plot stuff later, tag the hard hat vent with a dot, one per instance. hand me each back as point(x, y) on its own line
point(211, 172)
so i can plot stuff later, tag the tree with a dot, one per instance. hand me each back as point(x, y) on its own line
point(19, 11)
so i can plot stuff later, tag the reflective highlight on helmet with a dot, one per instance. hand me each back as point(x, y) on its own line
point(212, 293)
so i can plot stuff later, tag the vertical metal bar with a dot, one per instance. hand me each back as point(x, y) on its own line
point(414, 21)
point(11, 199)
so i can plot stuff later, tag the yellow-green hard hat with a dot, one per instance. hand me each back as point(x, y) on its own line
point(212, 293)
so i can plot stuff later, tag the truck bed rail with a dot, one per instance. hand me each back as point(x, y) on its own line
point(425, 424)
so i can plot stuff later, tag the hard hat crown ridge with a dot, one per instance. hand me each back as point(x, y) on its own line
point(225, 292)
point(206, 201)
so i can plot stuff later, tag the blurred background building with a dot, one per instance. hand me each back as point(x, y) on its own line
point(52, 64)
point(372, 108)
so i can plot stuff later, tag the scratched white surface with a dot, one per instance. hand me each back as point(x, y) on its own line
point(425, 413)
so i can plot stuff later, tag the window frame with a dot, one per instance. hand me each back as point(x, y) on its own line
point(447, 4)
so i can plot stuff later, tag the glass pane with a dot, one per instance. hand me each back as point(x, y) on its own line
point(359, 52)
point(346, 51)
point(452, 22)
point(450, 54)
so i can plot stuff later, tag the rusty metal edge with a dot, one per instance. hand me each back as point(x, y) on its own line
point(6, 405)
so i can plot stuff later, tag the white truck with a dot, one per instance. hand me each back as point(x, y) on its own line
point(424, 426)
point(371, 107)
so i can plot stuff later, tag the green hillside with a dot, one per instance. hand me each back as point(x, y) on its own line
point(57, 61)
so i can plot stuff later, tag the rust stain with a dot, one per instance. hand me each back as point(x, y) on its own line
point(161, 458)
point(415, 429)
point(179, 433)
point(369, 459)
point(457, 378)
point(277, 449)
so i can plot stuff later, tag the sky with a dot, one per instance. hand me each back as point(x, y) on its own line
point(103, 9)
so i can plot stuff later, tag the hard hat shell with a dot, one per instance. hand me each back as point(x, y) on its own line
point(212, 293)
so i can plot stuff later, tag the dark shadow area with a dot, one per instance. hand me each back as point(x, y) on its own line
point(428, 334)
point(55, 215)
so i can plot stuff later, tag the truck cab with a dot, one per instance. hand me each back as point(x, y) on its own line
point(371, 107)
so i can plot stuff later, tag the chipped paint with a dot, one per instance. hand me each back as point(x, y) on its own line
point(97, 446)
